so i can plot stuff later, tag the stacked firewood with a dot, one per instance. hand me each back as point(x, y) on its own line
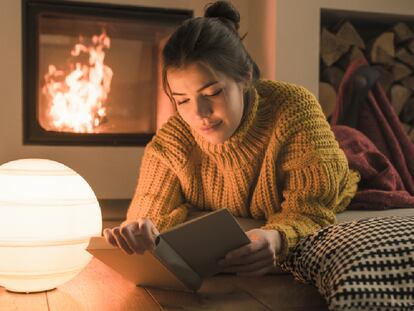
point(391, 53)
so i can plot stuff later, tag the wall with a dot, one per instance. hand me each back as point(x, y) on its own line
point(283, 37)
point(111, 171)
point(297, 34)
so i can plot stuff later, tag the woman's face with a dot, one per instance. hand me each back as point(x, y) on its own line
point(210, 102)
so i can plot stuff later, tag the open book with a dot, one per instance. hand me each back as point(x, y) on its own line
point(183, 256)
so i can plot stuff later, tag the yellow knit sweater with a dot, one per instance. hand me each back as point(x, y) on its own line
point(282, 164)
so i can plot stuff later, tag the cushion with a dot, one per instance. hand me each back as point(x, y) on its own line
point(366, 264)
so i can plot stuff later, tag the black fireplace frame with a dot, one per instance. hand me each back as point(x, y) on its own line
point(33, 133)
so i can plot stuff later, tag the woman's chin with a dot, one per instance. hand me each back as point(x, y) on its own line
point(216, 139)
point(213, 138)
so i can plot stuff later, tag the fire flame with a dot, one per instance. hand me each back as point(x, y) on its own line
point(77, 100)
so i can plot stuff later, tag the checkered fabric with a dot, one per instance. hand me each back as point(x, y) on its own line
point(366, 264)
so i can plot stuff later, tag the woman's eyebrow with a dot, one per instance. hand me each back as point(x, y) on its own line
point(200, 89)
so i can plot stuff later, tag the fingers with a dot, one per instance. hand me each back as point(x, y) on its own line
point(256, 258)
point(254, 268)
point(254, 247)
point(130, 232)
point(109, 237)
point(133, 236)
point(256, 273)
point(259, 255)
point(147, 234)
point(120, 240)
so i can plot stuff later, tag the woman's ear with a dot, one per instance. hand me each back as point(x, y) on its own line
point(250, 75)
point(247, 81)
point(249, 78)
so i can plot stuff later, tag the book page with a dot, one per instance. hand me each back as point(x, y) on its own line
point(201, 242)
point(176, 264)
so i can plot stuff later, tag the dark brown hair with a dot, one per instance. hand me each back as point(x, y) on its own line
point(213, 40)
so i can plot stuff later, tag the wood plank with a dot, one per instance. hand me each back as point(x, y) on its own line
point(383, 49)
point(400, 71)
point(22, 302)
point(348, 33)
point(327, 98)
point(97, 287)
point(228, 292)
point(386, 79)
point(410, 46)
point(352, 55)
point(302, 309)
point(283, 292)
point(399, 96)
point(406, 57)
point(332, 47)
point(332, 75)
point(402, 32)
point(411, 134)
point(219, 293)
point(408, 82)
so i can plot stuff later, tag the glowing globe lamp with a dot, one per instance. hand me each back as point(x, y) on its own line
point(47, 214)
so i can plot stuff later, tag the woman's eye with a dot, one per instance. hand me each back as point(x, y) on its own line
point(214, 93)
point(180, 102)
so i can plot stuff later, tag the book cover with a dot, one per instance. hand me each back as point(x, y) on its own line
point(183, 256)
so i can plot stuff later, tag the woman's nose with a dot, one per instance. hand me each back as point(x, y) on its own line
point(203, 107)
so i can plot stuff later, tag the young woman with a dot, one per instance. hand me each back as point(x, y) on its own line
point(262, 149)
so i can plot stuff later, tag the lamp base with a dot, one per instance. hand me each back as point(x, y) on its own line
point(24, 292)
point(35, 283)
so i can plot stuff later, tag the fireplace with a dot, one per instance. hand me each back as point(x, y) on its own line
point(91, 72)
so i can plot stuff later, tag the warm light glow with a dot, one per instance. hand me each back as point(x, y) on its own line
point(77, 100)
point(47, 214)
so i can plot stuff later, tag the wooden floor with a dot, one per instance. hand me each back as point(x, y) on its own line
point(280, 293)
point(98, 288)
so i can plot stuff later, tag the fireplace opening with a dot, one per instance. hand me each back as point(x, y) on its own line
point(92, 72)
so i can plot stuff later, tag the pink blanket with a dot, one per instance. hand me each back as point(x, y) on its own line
point(377, 147)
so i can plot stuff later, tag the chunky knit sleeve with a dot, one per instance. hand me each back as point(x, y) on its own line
point(313, 170)
point(158, 194)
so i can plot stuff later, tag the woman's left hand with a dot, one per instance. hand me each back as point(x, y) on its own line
point(256, 258)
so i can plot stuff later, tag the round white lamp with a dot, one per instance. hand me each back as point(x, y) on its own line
point(47, 214)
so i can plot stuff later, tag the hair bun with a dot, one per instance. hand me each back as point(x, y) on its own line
point(225, 11)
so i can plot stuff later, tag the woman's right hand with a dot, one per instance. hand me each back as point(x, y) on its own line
point(133, 236)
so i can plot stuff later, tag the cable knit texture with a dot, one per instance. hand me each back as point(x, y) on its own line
point(282, 164)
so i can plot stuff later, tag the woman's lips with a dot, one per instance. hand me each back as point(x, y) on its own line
point(211, 127)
